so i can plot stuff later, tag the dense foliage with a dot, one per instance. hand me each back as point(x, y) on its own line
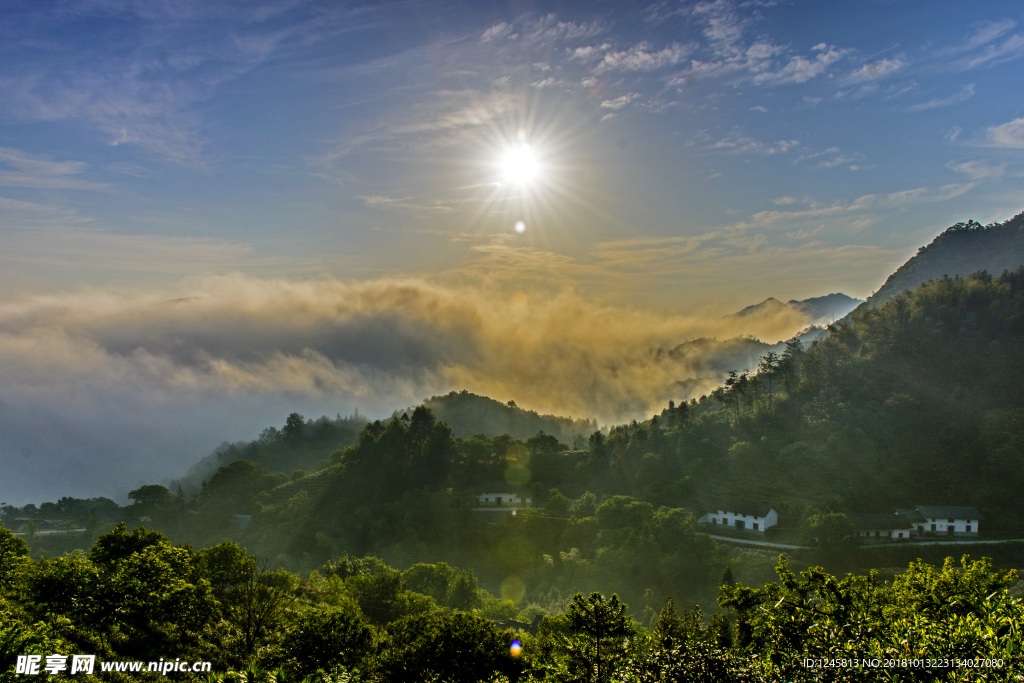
point(136, 597)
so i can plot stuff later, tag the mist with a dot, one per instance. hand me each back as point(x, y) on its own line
point(106, 389)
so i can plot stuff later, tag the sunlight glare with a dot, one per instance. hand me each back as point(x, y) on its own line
point(519, 165)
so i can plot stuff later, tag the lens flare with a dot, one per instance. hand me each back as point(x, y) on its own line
point(516, 649)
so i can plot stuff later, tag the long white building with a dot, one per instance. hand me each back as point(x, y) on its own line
point(742, 515)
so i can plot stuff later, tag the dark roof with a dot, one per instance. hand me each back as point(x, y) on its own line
point(867, 522)
point(912, 516)
point(744, 507)
point(948, 512)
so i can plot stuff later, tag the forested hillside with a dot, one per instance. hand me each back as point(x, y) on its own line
point(917, 402)
point(962, 249)
point(468, 414)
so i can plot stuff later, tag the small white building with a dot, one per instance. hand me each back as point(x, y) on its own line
point(745, 516)
point(949, 520)
point(502, 500)
point(880, 526)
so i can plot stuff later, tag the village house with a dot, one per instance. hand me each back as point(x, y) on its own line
point(492, 507)
point(742, 515)
point(949, 520)
point(489, 501)
point(879, 527)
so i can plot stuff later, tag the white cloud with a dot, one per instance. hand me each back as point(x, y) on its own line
point(965, 94)
point(862, 204)
point(800, 69)
point(32, 170)
point(498, 31)
point(877, 69)
point(549, 29)
point(986, 46)
point(738, 143)
point(983, 34)
point(407, 204)
point(619, 102)
point(641, 57)
point(976, 170)
point(1011, 48)
point(1009, 135)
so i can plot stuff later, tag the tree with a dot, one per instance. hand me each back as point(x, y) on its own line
point(829, 530)
point(379, 595)
point(14, 557)
point(602, 630)
point(120, 544)
point(325, 638)
point(768, 368)
point(422, 424)
point(790, 362)
point(225, 566)
point(457, 648)
point(258, 604)
point(737, 386)
point(150, 497)
point(669, 626)
point(293, 426)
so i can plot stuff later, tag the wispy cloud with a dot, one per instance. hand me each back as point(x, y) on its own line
point(640, 57)
point(977, 170)
point(33, 170)
point(410, 204)
point(863, 203)
point(983, 34)
point(541, 31)
point(737, 142)
point(144, 88)
point(800, 69)
point(876, 70)
point(1009, 135)
point(987, 45)
point(965, 94)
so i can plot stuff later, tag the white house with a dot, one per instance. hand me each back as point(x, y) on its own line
point(949, 520)
point(739, 515)
point(881, 526)
point(502, 500)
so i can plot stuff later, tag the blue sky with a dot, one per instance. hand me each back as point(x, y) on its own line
point(318, 187)
point(814, 145)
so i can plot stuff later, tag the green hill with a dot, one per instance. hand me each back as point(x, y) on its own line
point(960, 250)
point(468, 414)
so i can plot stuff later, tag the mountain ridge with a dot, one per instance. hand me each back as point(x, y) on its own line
point(960, 250)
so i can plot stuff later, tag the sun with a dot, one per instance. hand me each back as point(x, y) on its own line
point(519, 165)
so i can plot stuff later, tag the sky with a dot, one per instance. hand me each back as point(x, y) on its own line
point(214, 213)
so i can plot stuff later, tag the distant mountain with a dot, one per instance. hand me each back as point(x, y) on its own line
point(468, 414)
point(828, 308)
point(709, 360)
point(961, 250)
point(818, 310)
